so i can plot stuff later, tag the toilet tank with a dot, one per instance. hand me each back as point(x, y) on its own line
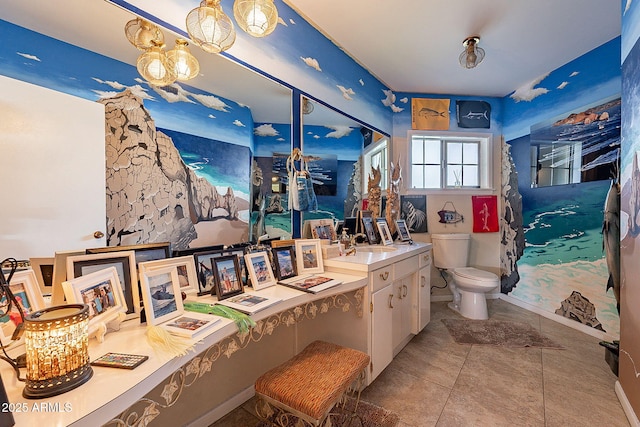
point(450, 250)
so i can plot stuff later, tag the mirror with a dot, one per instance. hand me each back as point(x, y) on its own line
point(206, 117)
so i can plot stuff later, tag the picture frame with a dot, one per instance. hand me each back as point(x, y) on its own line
point(369, 230)
point(239, 252)
point(284, 259)
point(60, 274)
point(259, 268)
point(161, 295)
point(403, 230)
point(322, 229)
point(204, 269)
point(385, 233)
point(43, 269)
point(100, 290)
point(309, 256)
point(25, 288)
point(227, 276)
point(125, 264)
point(143, 252)
point(186, 268)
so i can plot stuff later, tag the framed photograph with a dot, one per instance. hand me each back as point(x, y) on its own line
point(369, 230)
point(309, 256)
point(186, 267)
point(143, 251)
point(204, 269)
point(26, 290)
point(260, 271)
point(322, 229)
point(60, 275)
point(100, 290)
point(403, 230)
point(227, 276)
point(125, 265)
point(161, 294)
point(43, 268)
point(284, 259)
point(385, 233)
point(239, 252)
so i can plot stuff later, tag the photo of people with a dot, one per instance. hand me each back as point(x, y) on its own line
point(309, 256)
point(260, 268)
point(285, 263)
point(99, 298)
point(227, 276)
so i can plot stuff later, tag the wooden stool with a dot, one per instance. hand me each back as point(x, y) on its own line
point(310, 384)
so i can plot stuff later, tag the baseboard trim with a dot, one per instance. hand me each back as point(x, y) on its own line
point(224, 408)
point(626, 406)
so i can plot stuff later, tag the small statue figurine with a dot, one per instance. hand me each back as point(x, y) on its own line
point(393, 196)
point(375, 193)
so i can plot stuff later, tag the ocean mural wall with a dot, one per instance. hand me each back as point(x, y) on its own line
point(629, 350)
point(563, 267)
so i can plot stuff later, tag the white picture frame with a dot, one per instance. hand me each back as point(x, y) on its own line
point(385, 233)
point(309, 256)
point(60, 274)
point(101, 291)
point(161, 294)
point(186, 268)
point(25, 289)
point(322, 229)
point(260, 271)
point(125, 264)
point(43, 269)
point(403, 230)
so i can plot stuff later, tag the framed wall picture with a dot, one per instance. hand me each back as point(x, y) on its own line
point(43, 268)
point(186, 267)
point(309, 256)
point(284, 259)
point(227, 276)
point(100, 290)
point(385, 233)
point(260, 271)
point(161, 294)
point(125, 265)
point(26, 290)
point(403, 230)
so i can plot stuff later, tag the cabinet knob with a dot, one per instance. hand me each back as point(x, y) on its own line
point(406, 291)
point(385, 275)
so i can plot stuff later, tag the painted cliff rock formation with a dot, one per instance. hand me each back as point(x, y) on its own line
point(580, 309)
point(354, 195)
point(152, 196)
point(512, 240)
point(588, 116)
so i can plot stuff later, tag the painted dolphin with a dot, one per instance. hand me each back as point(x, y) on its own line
point(611, 238)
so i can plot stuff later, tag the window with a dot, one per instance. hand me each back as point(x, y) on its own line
point(555, 163)
point(376, 156)
point(450, 161)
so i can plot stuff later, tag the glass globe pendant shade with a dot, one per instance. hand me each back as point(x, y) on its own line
point(155, 67)
point(258, 18)
point(141, 33)
point(185, 64)
point(210, 28)
point(472, 54)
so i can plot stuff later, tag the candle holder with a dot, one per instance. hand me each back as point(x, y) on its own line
point(57, 350)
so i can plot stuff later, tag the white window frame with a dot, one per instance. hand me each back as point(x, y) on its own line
point(485, 160)
point(380, 146)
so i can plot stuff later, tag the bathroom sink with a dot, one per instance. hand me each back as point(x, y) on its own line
point(375, 249)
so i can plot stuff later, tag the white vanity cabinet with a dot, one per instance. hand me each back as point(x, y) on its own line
point(399, 296)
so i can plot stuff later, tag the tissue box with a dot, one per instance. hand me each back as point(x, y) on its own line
point(330, 251)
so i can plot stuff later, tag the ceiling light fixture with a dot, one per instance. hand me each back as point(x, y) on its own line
point(210, 28)
point(141, 33)
point(307, 106)
point(186, 65)
point(258, 18)
point(472, 54)
point(154, 66)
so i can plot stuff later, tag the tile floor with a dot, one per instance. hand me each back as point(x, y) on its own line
point(436, 382)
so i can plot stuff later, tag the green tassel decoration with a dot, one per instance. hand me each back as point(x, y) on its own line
point(242, 321)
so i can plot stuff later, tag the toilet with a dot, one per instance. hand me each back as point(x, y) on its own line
point(467, 284)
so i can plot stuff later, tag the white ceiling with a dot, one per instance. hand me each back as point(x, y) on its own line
point(412, 46)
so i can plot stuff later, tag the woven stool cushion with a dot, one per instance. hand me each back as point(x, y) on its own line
point(312, 381)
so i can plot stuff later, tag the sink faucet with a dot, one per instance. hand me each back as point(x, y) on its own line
point(354, 238)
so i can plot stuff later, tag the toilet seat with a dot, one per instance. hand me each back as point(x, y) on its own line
point(475, 274)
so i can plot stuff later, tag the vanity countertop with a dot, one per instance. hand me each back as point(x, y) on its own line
point(370, 257)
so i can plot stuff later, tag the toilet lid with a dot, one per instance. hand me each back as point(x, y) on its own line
point(474, 273)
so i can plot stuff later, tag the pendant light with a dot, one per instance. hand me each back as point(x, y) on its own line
point(210, 28)
point(258, 18)
point(185, 64)
point(154, 66)
point(141, 33)
point(472, 54)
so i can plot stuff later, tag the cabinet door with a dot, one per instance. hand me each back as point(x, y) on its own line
point(424, 299)
point(381, 329)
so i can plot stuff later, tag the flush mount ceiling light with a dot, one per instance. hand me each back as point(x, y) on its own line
point(154, 66)
point(258, 18)
point(472, 54)
point(186, 65)
point(141, 33)
point(210, 28)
